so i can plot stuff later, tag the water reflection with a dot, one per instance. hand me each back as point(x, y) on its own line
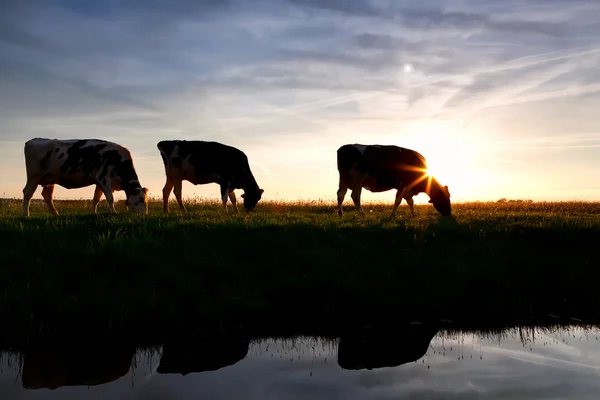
point(374, 348)
point(416, 360)
point(75, 365)
point(188, 355)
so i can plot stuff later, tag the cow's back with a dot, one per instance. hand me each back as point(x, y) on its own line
point(36, 147)
point(373, 158)
point(204, 156)
point(38, 143)
point(391, 158)
point(74, 163)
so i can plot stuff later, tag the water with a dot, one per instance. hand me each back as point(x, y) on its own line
point(416, 362)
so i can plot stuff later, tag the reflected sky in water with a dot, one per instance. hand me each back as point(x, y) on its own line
point(564, 363)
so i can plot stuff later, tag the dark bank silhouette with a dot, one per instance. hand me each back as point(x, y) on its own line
point(202, 354)
point(379, 348)
point(75, 366)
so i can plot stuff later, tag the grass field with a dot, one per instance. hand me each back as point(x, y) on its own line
point(292, 264)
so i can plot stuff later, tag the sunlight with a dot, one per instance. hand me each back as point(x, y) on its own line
point(450, 155)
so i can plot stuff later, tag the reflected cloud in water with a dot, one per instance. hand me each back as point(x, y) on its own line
point(416, 361)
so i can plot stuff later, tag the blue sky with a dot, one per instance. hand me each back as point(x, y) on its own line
point(502, 98)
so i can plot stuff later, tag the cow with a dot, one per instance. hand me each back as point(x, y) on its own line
point(78, 163)
point(379, 168)
point(202, 162)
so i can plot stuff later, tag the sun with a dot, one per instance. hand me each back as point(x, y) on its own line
point(443, 167)
point(449, 155)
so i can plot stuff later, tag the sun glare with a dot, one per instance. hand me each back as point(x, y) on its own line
point(449, 155)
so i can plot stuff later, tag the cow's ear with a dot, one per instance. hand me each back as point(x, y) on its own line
point(430, 200)
point(262, 191)
point(243, 195)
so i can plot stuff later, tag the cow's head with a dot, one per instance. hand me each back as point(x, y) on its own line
point(138, 201)
point(251, 198)
point(440, 198)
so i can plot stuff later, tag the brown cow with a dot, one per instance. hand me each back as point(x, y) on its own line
point(379, 168)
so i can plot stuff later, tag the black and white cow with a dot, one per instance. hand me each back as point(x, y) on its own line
point(201, 162)
point(379, 168)
point(77, 163)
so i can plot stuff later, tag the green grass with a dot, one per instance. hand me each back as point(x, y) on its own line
point(292, 264)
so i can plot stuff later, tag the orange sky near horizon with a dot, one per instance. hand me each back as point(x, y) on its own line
point(475, 168)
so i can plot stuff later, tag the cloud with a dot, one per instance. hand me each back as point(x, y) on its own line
point(436, 18)
point(385, 42)
point(23, 74)
point(17, 36)
point(431, 17)
point(352, 7)
point(284, 68)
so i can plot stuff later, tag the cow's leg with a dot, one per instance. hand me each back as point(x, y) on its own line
point(166, 193)
point(397, 202)
point(411, 205)
point(356, 191)
point(224, 195)
point(341, 193)
point(96, 199)
point(28, 192)
point(177, 190)
point(233, 200)
point(110, 200)
point(408, 195)
point(47, 193)
point(108, 193)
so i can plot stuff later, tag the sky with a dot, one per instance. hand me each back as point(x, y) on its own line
point(502, 98)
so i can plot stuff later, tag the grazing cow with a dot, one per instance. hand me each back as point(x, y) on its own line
point(201, 162)
point(78, 163)
point(382, 168)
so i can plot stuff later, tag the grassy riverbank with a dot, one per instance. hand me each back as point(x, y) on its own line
point(293, 263)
